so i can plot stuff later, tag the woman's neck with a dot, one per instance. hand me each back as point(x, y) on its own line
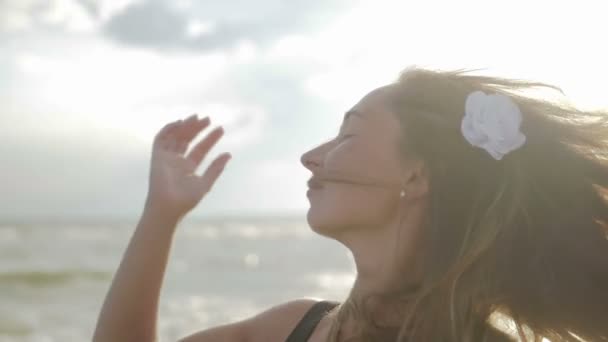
point(387, 260)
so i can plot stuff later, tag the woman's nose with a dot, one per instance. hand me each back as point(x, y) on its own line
point(309, 160)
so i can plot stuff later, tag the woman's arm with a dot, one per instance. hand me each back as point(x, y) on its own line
point(130, 309)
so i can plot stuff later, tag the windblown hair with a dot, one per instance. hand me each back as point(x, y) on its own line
point(523, 237)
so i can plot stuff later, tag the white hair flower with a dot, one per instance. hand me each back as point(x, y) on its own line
point(492, 122)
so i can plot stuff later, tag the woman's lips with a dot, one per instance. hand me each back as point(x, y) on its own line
point(314, 183)
point(310, 191)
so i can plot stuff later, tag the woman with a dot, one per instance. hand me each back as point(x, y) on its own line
point(461, 198)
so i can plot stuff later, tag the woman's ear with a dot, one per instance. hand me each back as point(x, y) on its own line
point(416, 180)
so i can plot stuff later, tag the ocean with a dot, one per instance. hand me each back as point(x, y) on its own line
point(53, 277)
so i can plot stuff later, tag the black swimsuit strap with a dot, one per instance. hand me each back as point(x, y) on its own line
point(309, 322)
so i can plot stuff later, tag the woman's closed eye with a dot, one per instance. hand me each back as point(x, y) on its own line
point(343, 137)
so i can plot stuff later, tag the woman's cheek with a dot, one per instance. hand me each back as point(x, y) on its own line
point(341, 157)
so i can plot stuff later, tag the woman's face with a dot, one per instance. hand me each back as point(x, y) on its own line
point(366, 153)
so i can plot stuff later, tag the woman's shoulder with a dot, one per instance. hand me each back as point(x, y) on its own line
point(277, 322)
point(272, 324)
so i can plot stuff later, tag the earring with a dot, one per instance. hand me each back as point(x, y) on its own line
point(402, 193)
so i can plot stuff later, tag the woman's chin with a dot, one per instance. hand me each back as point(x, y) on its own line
point(315, 220)
point(320, 223)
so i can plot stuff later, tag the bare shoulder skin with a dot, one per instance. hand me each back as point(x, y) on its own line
point(274, 324)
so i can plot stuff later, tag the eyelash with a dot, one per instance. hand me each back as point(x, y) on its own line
point(343, 137)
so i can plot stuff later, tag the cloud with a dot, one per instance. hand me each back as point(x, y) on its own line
point(106, 85)
point(148, 24)
point(18, 16)
point(164, 25)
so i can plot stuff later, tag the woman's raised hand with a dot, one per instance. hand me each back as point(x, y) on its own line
point(174, 188)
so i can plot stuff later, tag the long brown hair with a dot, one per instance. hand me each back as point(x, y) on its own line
point(524, 237)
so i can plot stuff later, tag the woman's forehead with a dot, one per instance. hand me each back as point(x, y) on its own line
point(375, 103)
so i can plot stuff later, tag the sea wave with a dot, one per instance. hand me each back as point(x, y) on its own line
point(46, 278)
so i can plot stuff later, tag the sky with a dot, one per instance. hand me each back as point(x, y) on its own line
point(85, 85)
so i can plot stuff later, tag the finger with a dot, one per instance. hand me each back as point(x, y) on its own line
point(187, 125)
point(161, 136)
point(169, 128)
point(202, 148)
point(183, 123)
point(171, 143)
point(181, 147)
point(195, 127)
point(212, 173)
point(190, 131)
